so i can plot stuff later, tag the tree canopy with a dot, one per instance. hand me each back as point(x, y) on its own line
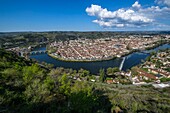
point(25, 87)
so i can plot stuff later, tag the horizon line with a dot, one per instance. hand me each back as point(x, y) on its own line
point(85, 31)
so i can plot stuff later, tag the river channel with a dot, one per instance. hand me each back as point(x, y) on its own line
point(94, 67)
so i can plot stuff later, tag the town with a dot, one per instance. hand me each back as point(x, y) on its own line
point(102, 49)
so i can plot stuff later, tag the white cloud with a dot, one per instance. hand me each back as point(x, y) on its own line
point(135, 16)
point(136, 5)
point(119, 18)
point(96, 10)
point(164, 2)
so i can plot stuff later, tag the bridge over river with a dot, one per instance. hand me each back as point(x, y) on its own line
point(38, 52)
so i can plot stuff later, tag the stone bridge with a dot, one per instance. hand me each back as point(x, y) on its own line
point(38, 52)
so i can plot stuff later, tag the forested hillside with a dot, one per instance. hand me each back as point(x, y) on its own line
point(25, 87)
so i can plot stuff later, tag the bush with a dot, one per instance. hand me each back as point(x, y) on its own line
point(164, 79)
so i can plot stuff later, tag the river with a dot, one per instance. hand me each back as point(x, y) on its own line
point(130, 61)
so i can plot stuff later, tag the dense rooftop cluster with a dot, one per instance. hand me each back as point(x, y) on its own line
point(101, 49)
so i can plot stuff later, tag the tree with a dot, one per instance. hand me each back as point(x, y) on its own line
point(31, 72)
point(11, 74)
point(36, 91)
point(85, 98)
point(153, 53)
point(102, 75)
point(64, 84)
point(115, 69)
point(49, 83)
point(134, 71)
point(83, 72)
point(148, 58)
point(109, 71)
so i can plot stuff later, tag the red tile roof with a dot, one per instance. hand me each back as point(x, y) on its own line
point(109, 81)
point(143, 73)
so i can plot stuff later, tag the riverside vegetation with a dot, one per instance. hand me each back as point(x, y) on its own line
point(26, 87)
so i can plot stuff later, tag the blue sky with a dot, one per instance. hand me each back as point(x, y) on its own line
point(84, 15)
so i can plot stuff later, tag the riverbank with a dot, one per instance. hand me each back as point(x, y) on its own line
point(148, 48)
point(97, 60)
point(159, 44)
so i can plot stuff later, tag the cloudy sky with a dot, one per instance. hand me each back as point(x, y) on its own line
point(84, 15)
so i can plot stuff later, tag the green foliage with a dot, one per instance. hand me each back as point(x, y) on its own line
point(27, 88)
point(85, 99)
point(168, 69)
point(36, 92)
point(49, 83)
point(102, 75)
point(65, 85)
point(83, 73)
point(134, 71)
point(32, 72)
point(134, 99)
point(115, 69)
point(81, 97)
point(164, 79)
point(153, 53)
point(9, 60)
point(148, 58)
point(111, 71)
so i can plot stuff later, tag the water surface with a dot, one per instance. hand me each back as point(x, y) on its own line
point(130, 61)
